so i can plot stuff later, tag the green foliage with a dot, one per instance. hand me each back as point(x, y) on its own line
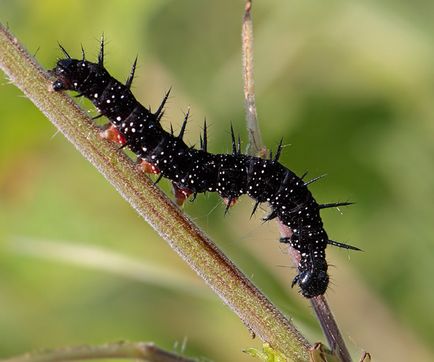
point(266, 354)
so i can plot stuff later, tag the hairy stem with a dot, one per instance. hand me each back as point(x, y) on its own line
point(136, 351)
point(319, 304)
point(201, 254)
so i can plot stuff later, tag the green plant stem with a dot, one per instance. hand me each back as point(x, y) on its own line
point(136, 351)
point(202, 255)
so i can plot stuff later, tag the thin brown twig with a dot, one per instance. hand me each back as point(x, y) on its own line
point(319, 304)
point(330, 328)
point(201, 254)
point(143, 351)
point(255, 139)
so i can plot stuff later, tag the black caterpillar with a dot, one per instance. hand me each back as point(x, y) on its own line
point(194, 171)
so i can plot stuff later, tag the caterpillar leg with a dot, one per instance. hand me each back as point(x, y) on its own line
point(181, 194)
point(285, 240)
point(111, 133)
point(230, 201)
point(147, 167)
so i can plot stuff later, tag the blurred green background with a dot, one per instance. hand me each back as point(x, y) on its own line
point(350, 86)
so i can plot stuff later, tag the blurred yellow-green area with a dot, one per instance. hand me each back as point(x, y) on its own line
point(350, 87)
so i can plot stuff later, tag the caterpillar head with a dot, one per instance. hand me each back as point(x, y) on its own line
point(70, 74)
point(313, 281)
